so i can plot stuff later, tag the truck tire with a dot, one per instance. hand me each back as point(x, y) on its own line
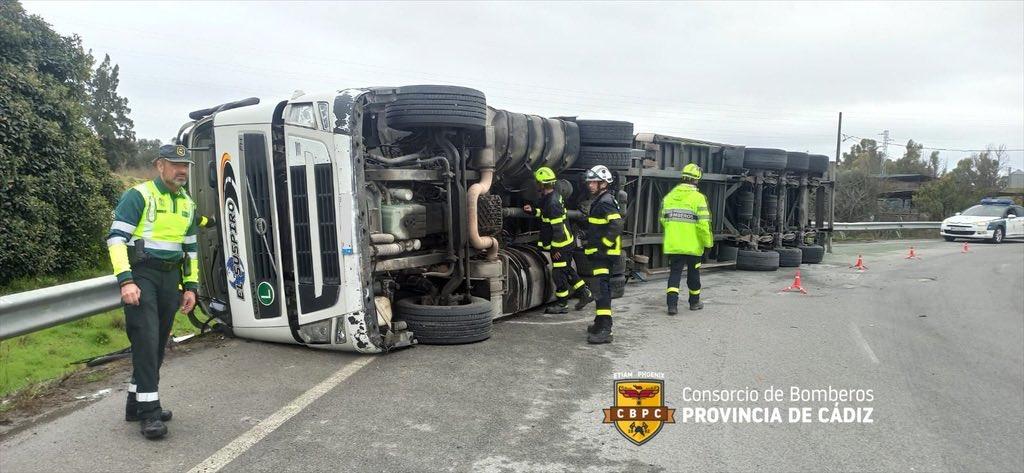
point(812, 254)
point(797, 162)
point(727, 252)
point(613, 158)
point(765, 158)
point(421, 106)
point(618, 286)
point(606, 132)
point(446, 325)
point(817, 164)
point(733, 157)
point(749, 260)
point(790, 257)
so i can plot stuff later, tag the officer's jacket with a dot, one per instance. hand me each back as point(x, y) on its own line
point(554, 232)
point(687, 222)
point(164, 221)
point(604, 229)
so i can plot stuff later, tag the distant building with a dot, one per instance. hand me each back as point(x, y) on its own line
point(1015, 183)
point(896, 198)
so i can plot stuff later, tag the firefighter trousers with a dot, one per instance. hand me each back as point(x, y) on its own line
point(676, 264)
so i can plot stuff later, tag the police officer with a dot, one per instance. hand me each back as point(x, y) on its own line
point(152, 246)
point(687, 222)
point(556, 239)
point(604, 243)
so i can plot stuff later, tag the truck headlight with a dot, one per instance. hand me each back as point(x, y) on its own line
point(316, 332)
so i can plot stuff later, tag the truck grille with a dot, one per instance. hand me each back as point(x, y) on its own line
point(253, 149)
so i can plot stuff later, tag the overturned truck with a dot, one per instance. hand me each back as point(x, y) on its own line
point(372, 219)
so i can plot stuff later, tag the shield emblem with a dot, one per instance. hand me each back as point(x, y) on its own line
point(639, 412)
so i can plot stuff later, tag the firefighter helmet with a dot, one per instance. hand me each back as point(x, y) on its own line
point(544, 175)
point(600, 173)
point(692, 171)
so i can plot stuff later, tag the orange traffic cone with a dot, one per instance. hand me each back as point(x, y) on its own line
point(859, 264)
point(912, 255)
point(966, 248)
point(796, 285)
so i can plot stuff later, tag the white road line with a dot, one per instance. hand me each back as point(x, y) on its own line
point(562, 322)
point(244, 442)
point(859, 338)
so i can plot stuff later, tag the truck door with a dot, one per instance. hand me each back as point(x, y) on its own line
point(321, 205)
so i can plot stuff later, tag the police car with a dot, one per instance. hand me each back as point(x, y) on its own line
point(992, 220)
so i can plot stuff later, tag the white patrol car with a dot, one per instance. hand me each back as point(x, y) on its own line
point(992, 220)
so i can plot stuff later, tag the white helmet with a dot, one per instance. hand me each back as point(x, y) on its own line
point(599, 173)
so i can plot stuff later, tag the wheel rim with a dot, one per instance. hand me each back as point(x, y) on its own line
point(999, 235)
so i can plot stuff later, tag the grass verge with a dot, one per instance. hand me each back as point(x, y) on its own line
point(48, 354)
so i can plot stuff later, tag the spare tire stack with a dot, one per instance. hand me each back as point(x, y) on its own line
point(607, 142)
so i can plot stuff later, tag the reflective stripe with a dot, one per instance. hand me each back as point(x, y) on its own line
point(559, 264)
point(562, 293)
point(122, 226)
point(614, 216)
point(557, 220)
point(578, 284)
point(672, 290)
point(162, 245)
point(600, 271)
point(190, 240)
point(590, 251)
point(116, 240)
point(203, 221)
point(147, 397)
point(694, 292)
point(696, 266)
point(597, 220)
point(607, 242)
point(603, 312)
point(561, 244)
point(132, 388)
point(680, 215)
point(193, 255)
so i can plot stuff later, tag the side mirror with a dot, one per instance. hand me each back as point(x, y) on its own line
point(958, 213)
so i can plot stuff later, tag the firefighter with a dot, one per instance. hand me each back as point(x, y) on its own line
point(556, 239)
point(604, 243)
point(152, 246)
point(687, 222)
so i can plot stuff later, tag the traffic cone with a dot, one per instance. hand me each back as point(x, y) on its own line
point(966, 248)
point(796, 285)
point(859, 264)
point(912, 255)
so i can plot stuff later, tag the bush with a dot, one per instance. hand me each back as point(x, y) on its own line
point(56, 191)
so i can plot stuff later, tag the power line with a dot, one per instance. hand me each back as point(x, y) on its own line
point(846, 137)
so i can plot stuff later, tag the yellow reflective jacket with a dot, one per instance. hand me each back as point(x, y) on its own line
point(687, 222)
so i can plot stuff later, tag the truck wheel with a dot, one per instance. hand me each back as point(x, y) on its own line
point(726, 252)
point(817, 164)
point(614, 158)
point(749, 260)
point(790, 257)
point(797, 162)
point(446, 325)
point(420, 106)
point(606, 132)
point(997, 235)
point(765, 158)
point(618, 286)
point(812, 254)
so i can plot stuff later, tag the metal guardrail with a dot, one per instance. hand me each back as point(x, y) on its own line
point(27, 312)
point(868, 226)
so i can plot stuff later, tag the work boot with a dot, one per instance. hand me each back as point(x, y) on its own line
point(558, 307)
point(586, 297)
point(696, 305)
point(672, 309)
point(131, 411)
point(604, 331)
point(592, 328)
point(153, 428)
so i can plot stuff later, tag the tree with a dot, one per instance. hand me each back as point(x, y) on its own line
point(856, 195)
point(971, 179)
point(864, 156)
point(911, 162)
point(107, 114)
point(147, 151)
point(933, 165)
point(56, 191)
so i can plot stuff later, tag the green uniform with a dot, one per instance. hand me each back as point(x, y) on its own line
point(687, 222)
point(152, 242)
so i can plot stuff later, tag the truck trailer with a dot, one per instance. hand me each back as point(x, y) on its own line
point(373, 219)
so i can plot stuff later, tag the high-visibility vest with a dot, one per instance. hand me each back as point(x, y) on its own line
point(684, 215)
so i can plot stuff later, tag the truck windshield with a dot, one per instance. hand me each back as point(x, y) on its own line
point(985, 211)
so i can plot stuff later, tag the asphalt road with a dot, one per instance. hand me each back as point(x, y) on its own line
point(939, 341)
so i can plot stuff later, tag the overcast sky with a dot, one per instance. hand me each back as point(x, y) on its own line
point(770, 75)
